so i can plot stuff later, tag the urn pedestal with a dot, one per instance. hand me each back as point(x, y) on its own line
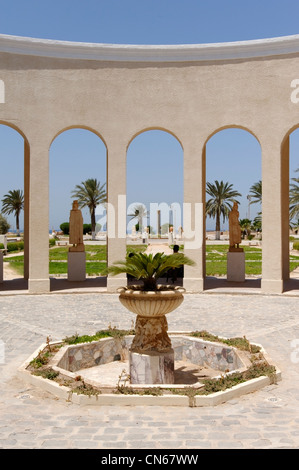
point(152, 367)
point(151, 355)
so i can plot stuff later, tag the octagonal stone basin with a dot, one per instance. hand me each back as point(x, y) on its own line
point(104, 363)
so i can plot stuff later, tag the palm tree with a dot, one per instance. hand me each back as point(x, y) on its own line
point(294, 198)
point(257, 222)
point(90, 193)
point(13, 202)
point(256, 192)
point(222, 198)
point(139, 213)
point(245, 225)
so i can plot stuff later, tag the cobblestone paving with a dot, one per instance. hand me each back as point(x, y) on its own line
point(31, 418)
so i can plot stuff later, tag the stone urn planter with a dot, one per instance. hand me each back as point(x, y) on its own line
point(151, 353)
point(151, 308)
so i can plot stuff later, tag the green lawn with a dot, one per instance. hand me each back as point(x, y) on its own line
point(96, 256)
point(96, 260)
point(216, 260)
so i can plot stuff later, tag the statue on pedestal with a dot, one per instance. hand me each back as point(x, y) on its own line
point(76, 229)
point(234, 229)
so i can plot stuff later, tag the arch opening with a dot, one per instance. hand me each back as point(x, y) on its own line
point(14, 207)
point(78, 168)
point(290, 208)
point(233, 172)
point(155, 169)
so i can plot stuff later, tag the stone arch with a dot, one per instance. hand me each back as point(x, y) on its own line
point(2, 92)
point(26, 192)
point(154, 128)
point(231, 126)
point(168, 208)
point(78, 126)
point(291, 282)
point(246, 213)
point(95, 167)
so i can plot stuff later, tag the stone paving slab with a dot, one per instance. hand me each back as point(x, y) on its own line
point(31, 418)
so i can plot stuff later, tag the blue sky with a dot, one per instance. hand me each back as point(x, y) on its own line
point(143, 22)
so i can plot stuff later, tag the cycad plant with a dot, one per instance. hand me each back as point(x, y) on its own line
point(148, 267)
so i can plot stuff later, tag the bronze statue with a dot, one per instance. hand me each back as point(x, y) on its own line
point(76, 229)
point(234, 229)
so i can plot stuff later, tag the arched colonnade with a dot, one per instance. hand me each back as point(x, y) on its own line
point(118, 94)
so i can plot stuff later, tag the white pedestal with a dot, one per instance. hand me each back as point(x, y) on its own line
point(236, 266)
point(76, 266)
point(3, 239)
point(152, 367)
point(1, 267)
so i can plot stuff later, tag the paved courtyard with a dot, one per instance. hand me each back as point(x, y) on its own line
point(30, 418)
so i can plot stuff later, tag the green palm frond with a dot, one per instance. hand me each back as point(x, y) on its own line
point(294, 198)
point(13, 202)
point(148, 267)
point(222, 197)
point(256, 192)
point(90, 193)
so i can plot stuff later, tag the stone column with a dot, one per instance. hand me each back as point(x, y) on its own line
point(194, 200)
point(1, 266)
point(275, 206)
point(39, 217)
point(116, 210)
point(26, 207)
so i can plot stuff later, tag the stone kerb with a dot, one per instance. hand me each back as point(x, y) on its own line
point(192, 350)
point(186, 347)
point(84, 355)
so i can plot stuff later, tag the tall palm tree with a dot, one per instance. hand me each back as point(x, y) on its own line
point(13, 202)
point(139, 213)
point(256, 192)
point(222, 198)
point(90, 193)
point(294, 198)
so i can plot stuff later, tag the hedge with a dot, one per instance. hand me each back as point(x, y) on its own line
point(65, 227)
point(13, 246)
point(296, 245)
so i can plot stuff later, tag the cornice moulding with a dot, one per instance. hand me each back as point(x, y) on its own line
point(150, 53)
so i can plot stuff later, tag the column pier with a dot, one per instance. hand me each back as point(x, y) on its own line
point(39, 281)
point(194, 216)
point(275, 243)
point(116, 211)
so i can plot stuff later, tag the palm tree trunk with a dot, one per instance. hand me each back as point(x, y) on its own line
point(93, 224)
point(17, 224)
point(217, 235)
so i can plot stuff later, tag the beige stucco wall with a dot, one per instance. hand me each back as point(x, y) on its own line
point(119, 98)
